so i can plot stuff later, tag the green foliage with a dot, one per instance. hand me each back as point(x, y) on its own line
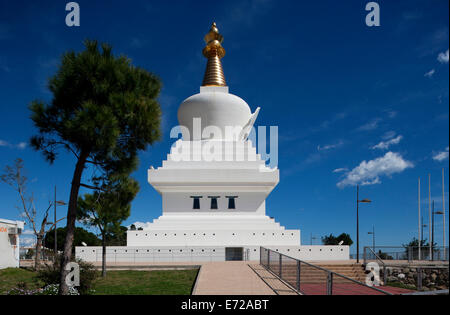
point(102, 106)
point(117, 237)
point(415, 243)
point(333, 240)
point(108, 208)
point(49, 275)
point(80, 236)
point(104, 110)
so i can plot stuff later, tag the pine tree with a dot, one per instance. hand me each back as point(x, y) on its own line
point(104, 110)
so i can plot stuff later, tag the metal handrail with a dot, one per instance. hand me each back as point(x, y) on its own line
point(329, 272)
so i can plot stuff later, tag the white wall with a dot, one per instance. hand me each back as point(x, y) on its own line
point(9, 244)
point(246, 203)
point(214, 237)
point(163, 254)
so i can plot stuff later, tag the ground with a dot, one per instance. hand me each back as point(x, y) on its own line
point(164, 282)
point(161, 282)
point(11, 277)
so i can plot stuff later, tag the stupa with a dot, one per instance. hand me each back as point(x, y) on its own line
point(213, 185)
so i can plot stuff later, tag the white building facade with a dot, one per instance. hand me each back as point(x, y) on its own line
point(10, 243)
point(213, 186)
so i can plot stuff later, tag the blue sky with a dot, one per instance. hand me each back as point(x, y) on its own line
point(341, 93)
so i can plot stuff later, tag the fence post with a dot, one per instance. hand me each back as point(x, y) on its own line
point(419, 279)
point(268, 258)
point(330, 283)
point(280, 263)
point(384, 275)
point(298, 275)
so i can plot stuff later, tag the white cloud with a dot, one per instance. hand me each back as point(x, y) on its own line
point(430, 73)
point(389, 135)
point(392, 114)
point(373, 124)
point(340, 170)
point(441, 156)
point(384, 145)
point(369, 173)
point(22, 145)
point(443, 57)
point(330, 146)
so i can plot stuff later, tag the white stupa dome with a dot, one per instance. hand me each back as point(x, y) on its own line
point(221, 113)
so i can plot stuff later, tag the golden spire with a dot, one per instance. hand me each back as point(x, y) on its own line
point(214, 52)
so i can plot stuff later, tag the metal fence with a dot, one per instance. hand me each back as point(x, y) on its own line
point(411, 253)
point(309, 279)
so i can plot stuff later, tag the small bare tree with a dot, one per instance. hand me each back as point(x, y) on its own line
point(14, 177)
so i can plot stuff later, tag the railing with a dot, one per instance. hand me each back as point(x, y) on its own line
point(411, 253)
point(309, 279)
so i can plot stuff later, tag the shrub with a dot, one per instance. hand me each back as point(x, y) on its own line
point(50, 275)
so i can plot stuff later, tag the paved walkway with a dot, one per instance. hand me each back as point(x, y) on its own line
point(230, 278)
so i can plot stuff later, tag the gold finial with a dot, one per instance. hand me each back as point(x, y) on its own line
point(214, 52)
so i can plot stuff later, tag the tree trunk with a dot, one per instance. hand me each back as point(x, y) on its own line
point(37, 259)
point(71, 218)
point(39, 241)
point(103, 255)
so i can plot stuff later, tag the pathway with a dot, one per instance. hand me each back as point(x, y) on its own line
point(230, 278)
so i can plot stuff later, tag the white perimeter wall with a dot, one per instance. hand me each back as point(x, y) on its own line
point(161, 254)
point(220, 238)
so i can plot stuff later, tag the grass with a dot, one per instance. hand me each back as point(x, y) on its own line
point(11, 277)
point(126, 282)
point(157, 282)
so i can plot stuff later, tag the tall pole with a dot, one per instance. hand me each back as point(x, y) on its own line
point(357, 224)
point(423, 225)
point(56, 244)
point(443, 210)
point(420, 225)
point(432, 233)
point(373, 238)
point(430, 214)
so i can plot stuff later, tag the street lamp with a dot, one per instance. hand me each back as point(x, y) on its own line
point(373, 237)
point(357, 220)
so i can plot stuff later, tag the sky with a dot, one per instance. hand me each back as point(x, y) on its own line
point(353, 104)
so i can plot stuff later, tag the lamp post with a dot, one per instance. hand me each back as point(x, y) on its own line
point(373, 237)
point(357, 220)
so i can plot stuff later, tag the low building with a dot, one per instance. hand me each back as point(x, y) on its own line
point(9, 243)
